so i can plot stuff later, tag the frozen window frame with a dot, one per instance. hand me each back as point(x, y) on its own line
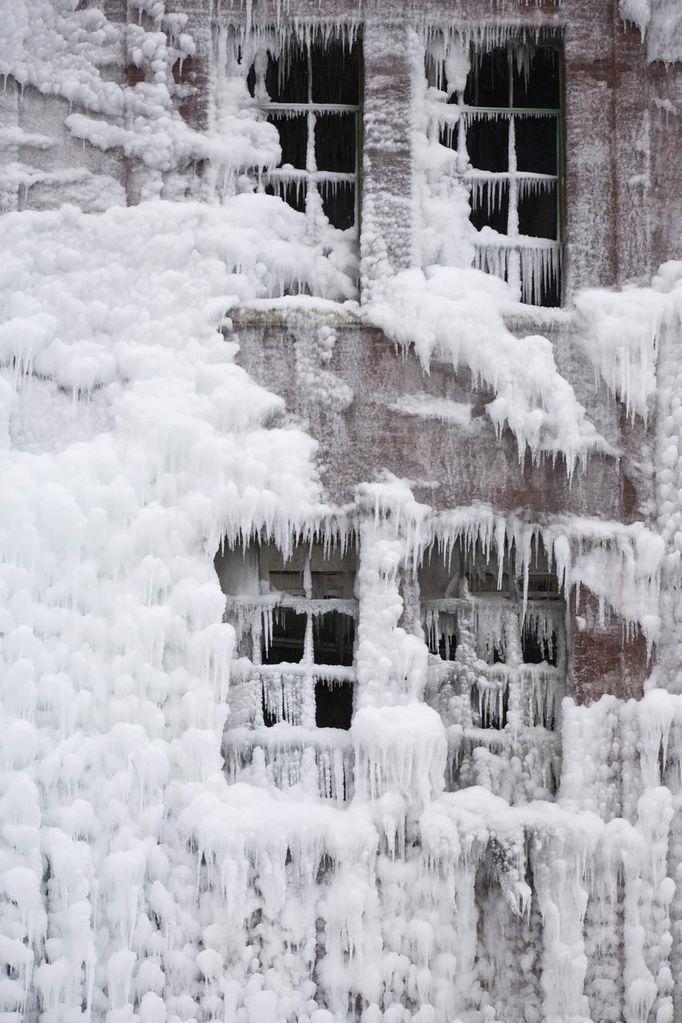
point(532, 265)
point(292, 689)
point(309, 187)
point(274, 707)
point(481, 629)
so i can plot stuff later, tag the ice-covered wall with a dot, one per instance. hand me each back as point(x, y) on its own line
point(136, 884)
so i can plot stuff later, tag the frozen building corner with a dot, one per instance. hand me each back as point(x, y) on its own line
point(341, 528)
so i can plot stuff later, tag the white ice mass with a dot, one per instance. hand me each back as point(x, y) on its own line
point(168, 854)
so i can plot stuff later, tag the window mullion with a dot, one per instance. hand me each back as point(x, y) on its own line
point(513, 256)
point(312, 201)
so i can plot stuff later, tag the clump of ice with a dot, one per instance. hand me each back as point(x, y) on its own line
point(660, 23)
point(115, 661)
point(454, 314)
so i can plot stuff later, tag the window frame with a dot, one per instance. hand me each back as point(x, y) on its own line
point(310, 177)
point(306, 673)
point(488, 253)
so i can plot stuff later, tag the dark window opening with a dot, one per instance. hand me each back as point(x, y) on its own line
point(310, 91)
point(543, 584)
point(338, 203)
point(335, 142)
point(489, 707)
point(536, 81)
point(535, 649)
point(333, 638)
point(293, 138)
point(447, 646)
point(288, 638)
point(335, 68)
point(511, 127)
point(488, 144)
point(333, 705)
point(269, 719)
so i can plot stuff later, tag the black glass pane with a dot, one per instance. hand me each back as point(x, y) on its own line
point(551, 293)
point(293, 138)
point(338, 203)
point(333, 638)
point(490, 206)
point(333, 705)
point(538, 213)
point(292, 192)
point(535, 651)
point(490, 709)
point(335, 142)
point(537, 82)
point(536, 144)
point(488, 81)
point(447, 647)
point(336, 72)
point(448, 136)
point(286, 78)
point(288, 635)
point(488, 144)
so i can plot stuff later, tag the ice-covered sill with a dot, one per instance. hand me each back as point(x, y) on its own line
point(278, 312)
point(284, 736)
point(521, 318)
point(245, 670)
point(463, 739)
point(518, 317)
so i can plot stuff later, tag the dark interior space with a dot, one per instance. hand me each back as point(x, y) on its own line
point(333, 705)
point(520, 81)
point(324, 72)
point(535, 650)
point(489, 713)
point(333, 638)
point(288, 637)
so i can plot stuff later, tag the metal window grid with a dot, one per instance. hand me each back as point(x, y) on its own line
point(309, 177)
point(518, 264)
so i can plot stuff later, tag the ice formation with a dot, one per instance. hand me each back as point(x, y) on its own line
point(472, 848)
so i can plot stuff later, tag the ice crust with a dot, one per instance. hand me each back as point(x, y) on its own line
point(660, 23)
point(142, 879)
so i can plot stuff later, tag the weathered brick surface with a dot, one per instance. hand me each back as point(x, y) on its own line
point(602, 658)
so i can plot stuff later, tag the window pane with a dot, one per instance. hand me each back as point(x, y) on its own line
point(488, 81)
point(536, 144)
point(338, 203)
point(488, 143)
point(535, 649)
point(490, 706)
point(336, 72)
point(538, 214)
point(537, 83)
point(293, 135)
point(286, 78)
point(333, 638)
point(335, 142)
point(288, 635)
point(490, 206)
point(333, 705)
point(292, 192)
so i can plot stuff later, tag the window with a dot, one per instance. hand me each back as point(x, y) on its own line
point(503, 118)
point(309, 88)
point(488, 642)
point(295, 617)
